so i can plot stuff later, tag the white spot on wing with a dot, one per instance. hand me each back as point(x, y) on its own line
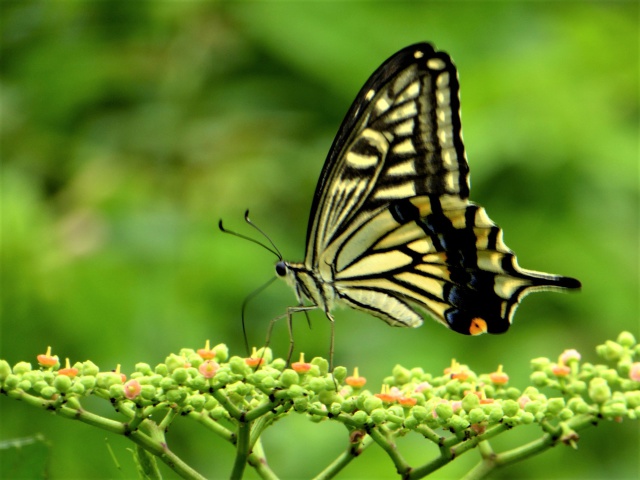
point(435, 64)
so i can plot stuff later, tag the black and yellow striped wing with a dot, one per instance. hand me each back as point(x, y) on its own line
point(392, 231)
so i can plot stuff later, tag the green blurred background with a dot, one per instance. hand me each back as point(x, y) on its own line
point(129, 128)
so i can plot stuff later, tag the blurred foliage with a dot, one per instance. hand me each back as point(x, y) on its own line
point(129, 128)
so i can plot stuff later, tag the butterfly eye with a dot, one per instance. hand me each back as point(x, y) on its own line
point(281, 269)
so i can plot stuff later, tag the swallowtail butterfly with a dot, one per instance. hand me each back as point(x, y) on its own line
point(392, 231)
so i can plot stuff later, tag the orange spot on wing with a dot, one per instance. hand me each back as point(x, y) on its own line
point(478, 326)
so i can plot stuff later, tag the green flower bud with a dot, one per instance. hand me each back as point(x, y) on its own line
point(371, 403)
point(539, 378)
point(360, 418)
point(210, 403)
point(148, 392)
point(269, 382)
point(477, 415)
point(378, 416)
point(180, 375)
point(599, 390)
point(219, 413)
point(143, 368)
point(33, 377)
point(239, 366)
point(301, 404)
point(48, 392)
point(614, 410)
point(577, 387)
point(340, 373)
point(87, 382)
point(335, 408)
point(89, 368)
point(168, 383)
point(12, 381)
point(632, 399)
point(62, 383)
point(578, 405)
point(77, 389)
point(495, 414)
point(349, 405)
point(458, 423)
point(360, 400)
point(5, 370)
point(317, 384)
point(411, 422)
point(527, 418)
point(197, 402)
point(395, 410)
point(626, 339)
point(22, 367)
point(162, 370)
point(554, 405)
point(624, 366)
point(401, 375)
point(289, 377)
point(469, 402)
point(106, 379)
point(222, 352)
point(116, 391)
point(510, 408)
point(565, 414)
point(610, 350)
point(327, 397)
point(322, 364)
point(154, 380)
point(417, 373)
point(444, 411)
point(540, 364)
point(610, 375)
point(174, 361)
point(513, 393)
point(177, 395)
point(419, 412)
point(278, 364)
point(489, 391)
point(198, 383)
point(24, 385)
point(223, 377)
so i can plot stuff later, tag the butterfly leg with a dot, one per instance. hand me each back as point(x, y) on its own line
point(331, 341)
point(289, 316)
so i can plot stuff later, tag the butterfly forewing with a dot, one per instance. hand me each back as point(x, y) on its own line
point(401, 138)
point(391, 231)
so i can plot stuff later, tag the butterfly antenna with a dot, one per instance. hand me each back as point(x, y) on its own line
point(273, 250)
point(247, 299)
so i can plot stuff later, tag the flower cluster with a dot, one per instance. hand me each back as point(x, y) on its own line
point(208, 381)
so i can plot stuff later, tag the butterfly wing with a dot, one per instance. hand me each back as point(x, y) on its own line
point(391, 225)
point(400, 138)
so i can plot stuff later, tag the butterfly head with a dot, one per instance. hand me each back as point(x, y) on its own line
point(285, 271)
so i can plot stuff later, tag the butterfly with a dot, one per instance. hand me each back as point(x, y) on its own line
point(392, 231)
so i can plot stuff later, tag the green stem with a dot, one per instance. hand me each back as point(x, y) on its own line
point(208, 422)
point(242, 450)
point(234, 411)
point(261, 410)
point(169, 458)
point(388, 446)
point(258, 460)
point(548, 440)
point(344, 459)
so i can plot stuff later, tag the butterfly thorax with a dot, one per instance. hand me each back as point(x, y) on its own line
point(315, 288)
